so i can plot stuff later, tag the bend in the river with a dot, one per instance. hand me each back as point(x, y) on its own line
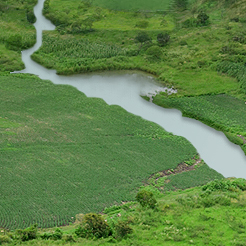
point(124, 89)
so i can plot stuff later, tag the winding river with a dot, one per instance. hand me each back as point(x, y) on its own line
point(124, 89)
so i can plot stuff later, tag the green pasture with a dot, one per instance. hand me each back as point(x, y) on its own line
point(63, 153)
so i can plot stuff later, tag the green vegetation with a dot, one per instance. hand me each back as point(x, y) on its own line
point(196, 216)
point(63, 153)
point(222, 112)
point(198, 47)
point(17, 32)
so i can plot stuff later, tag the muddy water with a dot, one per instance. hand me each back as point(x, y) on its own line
point(123, 89)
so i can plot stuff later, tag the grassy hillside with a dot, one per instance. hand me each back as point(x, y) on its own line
point(209, 215)
point(63, 153)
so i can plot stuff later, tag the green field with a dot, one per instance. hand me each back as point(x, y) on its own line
point(63, 153)
point(222, 112)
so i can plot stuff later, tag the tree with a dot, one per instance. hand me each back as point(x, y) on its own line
point(143, 37)
point(163, 39)
point(146, 199)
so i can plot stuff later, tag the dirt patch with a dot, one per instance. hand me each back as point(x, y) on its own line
point(182, 167)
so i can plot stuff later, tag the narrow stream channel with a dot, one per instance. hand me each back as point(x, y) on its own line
point(124, 89)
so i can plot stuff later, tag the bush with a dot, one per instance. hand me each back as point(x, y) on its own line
point(146, 199)
point(57, 235)
point(225, 185)
point(142, 24)
point(30, 16)
point(93, 225)
point(143, 37)
point(122, 229)
point(202, 19)
point(154, 51)
point(163, 39)
point(28, 233)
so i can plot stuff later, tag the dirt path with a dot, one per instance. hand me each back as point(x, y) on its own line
point(182, 167)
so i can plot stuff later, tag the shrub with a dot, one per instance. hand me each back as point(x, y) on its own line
point(142, 24)
point(122, 229)
point(154, 51)
point(30, 16)
point(146, 199)
point(202, 19)
point(56, 235)
point(143, 37)
point(93, 225)
point(163, 39)
point(225, 185)
point(28, 233)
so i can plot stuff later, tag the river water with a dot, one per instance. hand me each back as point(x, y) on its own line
point(124, 89)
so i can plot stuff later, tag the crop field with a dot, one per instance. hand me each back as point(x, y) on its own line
point(222, 112)
point(63, 153)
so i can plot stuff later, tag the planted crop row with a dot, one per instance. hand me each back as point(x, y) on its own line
point(64, 48)
point(63, 153)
